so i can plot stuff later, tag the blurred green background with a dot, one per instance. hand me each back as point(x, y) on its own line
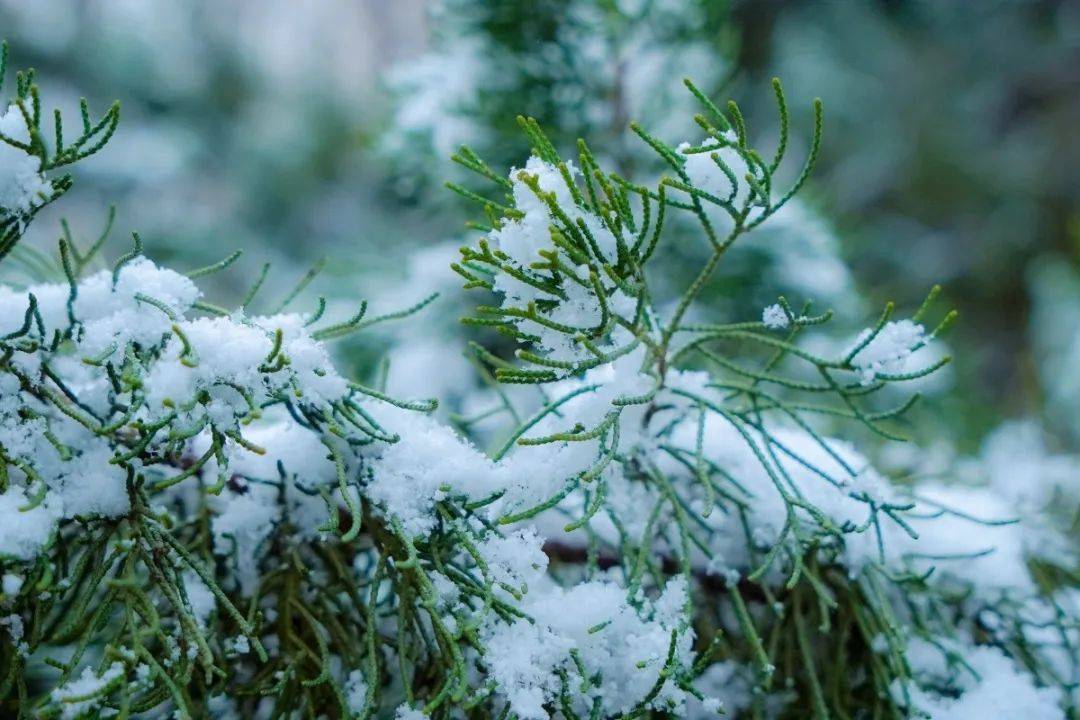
point(300, 130)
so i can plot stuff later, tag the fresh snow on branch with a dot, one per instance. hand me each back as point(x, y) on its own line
point(203, 514)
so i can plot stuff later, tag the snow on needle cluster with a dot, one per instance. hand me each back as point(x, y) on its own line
point(25, 156)
point(200, 516)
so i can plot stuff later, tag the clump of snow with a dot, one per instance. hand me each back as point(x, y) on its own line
point(200, 597)
point(230, 353)
point(86, 693)
point(404, 712)
point(990, 686)
point(627, 646)
point(10, 584)
point(23, 533)
point(238, 645)
point(828, 475)
point(887, 353)
point(356, 691)
point(14, 626)
point(107, 312)
point(206, 370)
point(428, 461)
point(516, 559)
point(22, 185)
point(984, 545)
point(774, 317)
point(706, 174)
point(81, 481)
point(523, 238)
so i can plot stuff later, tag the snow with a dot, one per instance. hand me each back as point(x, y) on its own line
point(238, 645)
point(436, 90)
point(1024, 471)
point(404, 712)
point(984, 548)
point(428, 461)
point(231, 352)
point(997, 689)
point(728, 688)
point(89, 683)
point(89, 485)
point(22, 186)
point(887, 353)
point(10, 584)
point(230, 374)
point(263, 393)
point(14, 626)
point(241, 524)
point(108, 312)
point(609, 635)
point(706, 174)
point(774, 317)
point(516, 558)
point(227, 352)
point(295, 449)
point(356, 691)
point(268, 489)
point(523, 238)
point(806, 468)
point(202, 600)
point(23, 533)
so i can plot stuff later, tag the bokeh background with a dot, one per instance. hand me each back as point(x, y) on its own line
point(306, 130)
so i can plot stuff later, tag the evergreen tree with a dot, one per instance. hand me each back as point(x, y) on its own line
point(200, 516)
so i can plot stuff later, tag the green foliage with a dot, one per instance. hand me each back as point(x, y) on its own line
point(289, 542)
point(93, 137)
